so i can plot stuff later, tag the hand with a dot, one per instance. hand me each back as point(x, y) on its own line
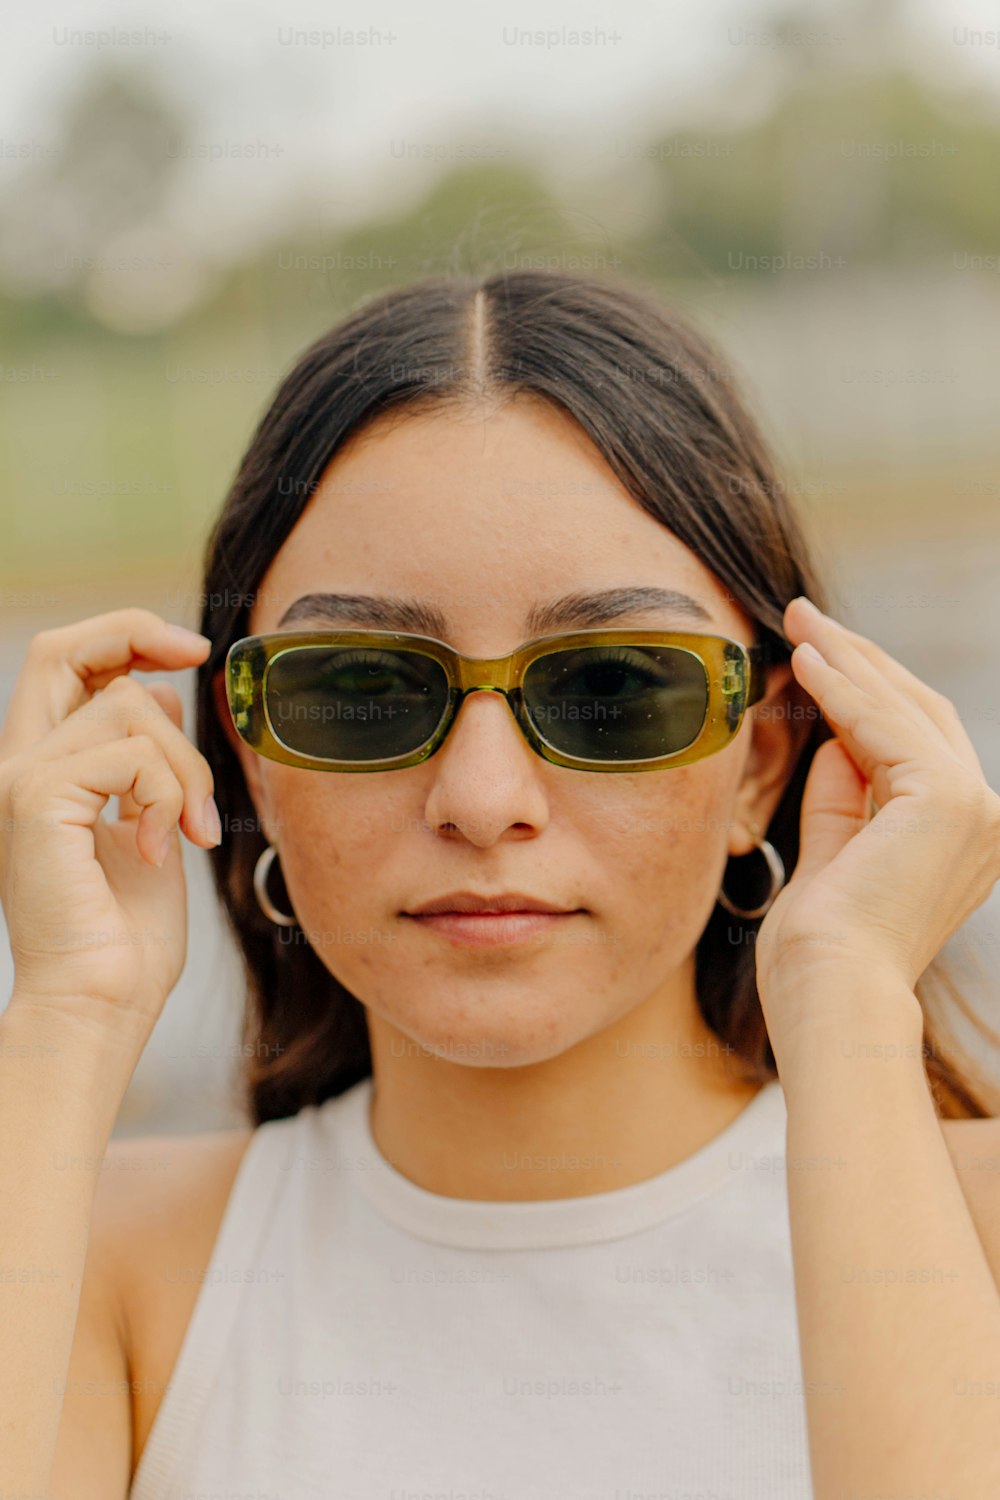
point(97, 925)
point(880, 897)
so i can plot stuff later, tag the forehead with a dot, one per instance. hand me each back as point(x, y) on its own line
point(485, 514)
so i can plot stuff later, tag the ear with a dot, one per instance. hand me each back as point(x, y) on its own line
point(779, 724)
point(248, 759)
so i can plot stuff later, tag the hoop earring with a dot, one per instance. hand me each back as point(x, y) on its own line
point(775, 865)
point(261, 871)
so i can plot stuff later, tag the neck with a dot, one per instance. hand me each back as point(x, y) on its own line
point(621, 1106)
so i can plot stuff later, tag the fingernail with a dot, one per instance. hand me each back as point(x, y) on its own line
point(187, 637)
point(805, 648)
point(211, 822)
point(801, 598)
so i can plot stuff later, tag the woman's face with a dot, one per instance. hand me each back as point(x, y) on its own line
point(485, 515)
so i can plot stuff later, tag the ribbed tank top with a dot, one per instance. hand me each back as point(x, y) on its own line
point(356, 1337)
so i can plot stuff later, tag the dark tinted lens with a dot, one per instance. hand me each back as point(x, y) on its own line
point(617, 702)
point(354, 703)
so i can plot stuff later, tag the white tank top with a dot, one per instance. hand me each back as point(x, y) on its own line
point(356, 1337)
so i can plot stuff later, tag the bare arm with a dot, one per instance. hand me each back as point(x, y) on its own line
point(61, 1085)
point(97, 920)
point(899, 1312)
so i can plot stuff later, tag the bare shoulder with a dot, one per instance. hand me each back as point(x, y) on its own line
point(158, 1208)
point(974, 1147)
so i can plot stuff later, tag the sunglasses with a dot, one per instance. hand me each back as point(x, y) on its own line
point(593, 700)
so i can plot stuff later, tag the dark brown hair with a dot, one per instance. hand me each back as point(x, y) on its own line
point(657, 400)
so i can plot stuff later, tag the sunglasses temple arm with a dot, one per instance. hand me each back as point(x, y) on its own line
point(759, 657)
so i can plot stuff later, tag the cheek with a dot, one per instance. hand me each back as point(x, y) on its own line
point(662, 841)
point(351, 849)
point(338, 836)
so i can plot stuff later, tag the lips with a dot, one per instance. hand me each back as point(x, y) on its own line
point(467, 902)
point(486, 927)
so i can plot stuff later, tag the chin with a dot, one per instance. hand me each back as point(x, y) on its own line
point(490, 1026)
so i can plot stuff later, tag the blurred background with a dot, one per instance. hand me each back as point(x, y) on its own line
point(189, 196)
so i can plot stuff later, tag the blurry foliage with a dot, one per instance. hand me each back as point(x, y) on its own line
point(144, 385)
point(870, 165)
point(873, 168)
point(108, 176)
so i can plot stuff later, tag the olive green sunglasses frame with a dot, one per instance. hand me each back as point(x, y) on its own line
point(735, 676)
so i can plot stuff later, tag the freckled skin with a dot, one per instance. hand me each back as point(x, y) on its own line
point(484, 513)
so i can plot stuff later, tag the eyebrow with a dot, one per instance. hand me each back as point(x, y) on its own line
point(570, 611)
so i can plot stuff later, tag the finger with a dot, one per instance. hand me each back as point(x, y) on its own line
point(125, 708)
point(833, 640)
point(876, 736)
point(834, 807)
point(80, 784)
point(65, 666)
point(937, 706)
point(169, 700)
point(873, 667)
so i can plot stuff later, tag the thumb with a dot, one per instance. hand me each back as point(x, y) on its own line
point(834, 807)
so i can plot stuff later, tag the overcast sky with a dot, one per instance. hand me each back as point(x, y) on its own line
point(340, 122)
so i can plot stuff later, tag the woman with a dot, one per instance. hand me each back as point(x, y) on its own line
point(523, 1208)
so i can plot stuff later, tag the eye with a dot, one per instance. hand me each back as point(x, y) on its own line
point(369, 671)
point(608, 673)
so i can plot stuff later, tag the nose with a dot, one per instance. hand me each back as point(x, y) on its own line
point(502, 712)
point(485, 777)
